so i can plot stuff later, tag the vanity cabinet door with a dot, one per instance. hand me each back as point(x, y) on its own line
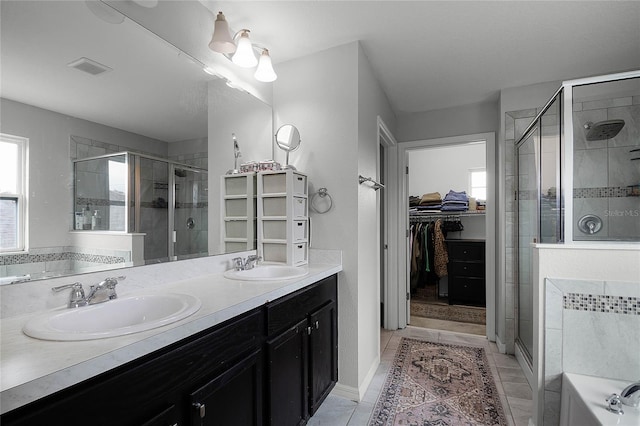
point(287, 374)
point(139, 392)
point(231, 398)
point(323, 354)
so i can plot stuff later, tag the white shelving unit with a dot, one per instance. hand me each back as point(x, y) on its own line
point(283, 217)
point(238, 212)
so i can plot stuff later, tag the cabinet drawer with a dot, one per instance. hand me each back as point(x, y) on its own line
point(286, 311)
point(299, 184)
point(299, 230)
point(469, 290)
point(466, 269)
point(299, 253)
point(466, 251)
point(299, 207)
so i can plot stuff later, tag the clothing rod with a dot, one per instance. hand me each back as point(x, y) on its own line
point(376, 185)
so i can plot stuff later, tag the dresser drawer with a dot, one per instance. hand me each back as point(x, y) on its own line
point(465, 290)
point(466, 250)
point(466, 269)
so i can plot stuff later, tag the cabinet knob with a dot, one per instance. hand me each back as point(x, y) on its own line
point(317, 324)
point(200, 408)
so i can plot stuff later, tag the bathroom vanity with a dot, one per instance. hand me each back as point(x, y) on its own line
point(273, 363)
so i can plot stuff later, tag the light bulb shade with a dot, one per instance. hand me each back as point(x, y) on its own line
point(265, 72)
point(222, 42)
point(244, 56)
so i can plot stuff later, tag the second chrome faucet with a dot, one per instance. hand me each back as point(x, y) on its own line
point(249, 263)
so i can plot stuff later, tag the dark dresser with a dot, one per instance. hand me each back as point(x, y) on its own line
point(466, 272)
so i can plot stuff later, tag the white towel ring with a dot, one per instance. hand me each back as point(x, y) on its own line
point(324, 194)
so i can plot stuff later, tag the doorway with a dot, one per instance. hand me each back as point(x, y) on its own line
point(404, 246)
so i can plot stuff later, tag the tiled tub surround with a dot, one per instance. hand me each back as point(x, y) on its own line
point(52, 261)
point(32, 368)
point(591, 328)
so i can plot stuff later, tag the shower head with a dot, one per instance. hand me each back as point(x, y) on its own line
point(603, 129)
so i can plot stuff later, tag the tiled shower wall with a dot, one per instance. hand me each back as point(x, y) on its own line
point(592, 328)
point(604, 172)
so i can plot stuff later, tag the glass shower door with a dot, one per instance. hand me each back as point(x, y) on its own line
point(152, 213)
point(190, 222)
point(528, 167)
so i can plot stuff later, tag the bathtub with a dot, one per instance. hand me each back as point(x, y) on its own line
point(583, 402)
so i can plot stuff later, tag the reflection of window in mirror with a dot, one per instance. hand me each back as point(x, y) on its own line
point(478, 183)
point(13, 212)
point(117, 193)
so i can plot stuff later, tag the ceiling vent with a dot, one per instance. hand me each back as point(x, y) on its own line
point(89, 66)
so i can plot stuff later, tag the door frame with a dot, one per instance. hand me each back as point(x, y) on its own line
point(389, 292)
point(401, 284)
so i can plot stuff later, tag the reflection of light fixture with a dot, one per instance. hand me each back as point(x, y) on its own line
point(265, 72)
point(221, 41)
point(244, 56)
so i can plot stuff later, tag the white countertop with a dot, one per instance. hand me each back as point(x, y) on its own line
point(31, 369)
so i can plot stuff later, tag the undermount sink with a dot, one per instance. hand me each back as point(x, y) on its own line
point(125, 315)
point(268, 273)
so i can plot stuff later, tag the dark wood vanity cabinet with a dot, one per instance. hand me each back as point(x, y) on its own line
point(224, 375)
point(466, 270)
point(302, 352)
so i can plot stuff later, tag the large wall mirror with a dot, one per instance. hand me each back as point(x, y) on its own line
point(122, 126)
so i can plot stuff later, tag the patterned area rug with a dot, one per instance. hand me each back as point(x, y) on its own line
point(472, 314)
point(438, 384)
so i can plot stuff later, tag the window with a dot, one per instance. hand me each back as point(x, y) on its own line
point(13, 212)
point(478, 184)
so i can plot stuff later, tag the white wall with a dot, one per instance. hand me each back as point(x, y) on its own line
point(372, 102)
point(50, 171)
point(336, 114)
point(462, 120)
point(444, 169)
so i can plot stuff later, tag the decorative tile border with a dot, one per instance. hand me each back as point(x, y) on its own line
point(17, 259)
point(604, 192)
point(601, 303)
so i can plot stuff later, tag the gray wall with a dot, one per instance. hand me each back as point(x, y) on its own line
point(463, 120)
point(50, 172)
point(334, 100)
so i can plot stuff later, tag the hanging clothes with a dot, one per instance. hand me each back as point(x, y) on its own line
point(441, 254)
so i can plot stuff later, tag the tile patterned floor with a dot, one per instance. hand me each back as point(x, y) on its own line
point(512, 385)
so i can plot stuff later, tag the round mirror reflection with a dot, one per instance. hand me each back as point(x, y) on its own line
point(288, 139)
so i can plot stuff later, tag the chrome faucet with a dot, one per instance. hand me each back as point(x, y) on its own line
point(76, 298)
point(101, 292)
point(631, 395)
point(250, 262)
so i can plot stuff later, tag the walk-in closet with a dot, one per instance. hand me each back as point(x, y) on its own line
point(447, 189)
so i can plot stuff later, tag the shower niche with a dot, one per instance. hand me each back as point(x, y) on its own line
point(160, 206)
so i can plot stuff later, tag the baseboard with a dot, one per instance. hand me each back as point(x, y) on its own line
point(501, 346)
point(348, 392)
point(356, 394)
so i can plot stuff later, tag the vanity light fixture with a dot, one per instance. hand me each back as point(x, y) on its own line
point(239, 49)
point(222, 42)
point(265, 72)
point(244, 56)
